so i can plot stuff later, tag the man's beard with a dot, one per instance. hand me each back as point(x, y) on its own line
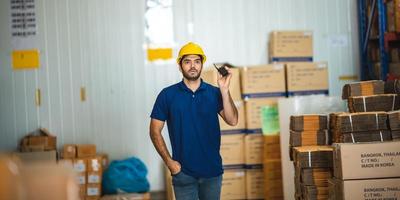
point(190, 77)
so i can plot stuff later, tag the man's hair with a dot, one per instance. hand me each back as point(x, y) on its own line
point(183, 57)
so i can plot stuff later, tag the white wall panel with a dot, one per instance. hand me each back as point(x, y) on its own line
point(97, 44)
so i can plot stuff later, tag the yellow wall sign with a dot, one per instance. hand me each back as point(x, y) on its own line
point(159, 54)
point(25, 59)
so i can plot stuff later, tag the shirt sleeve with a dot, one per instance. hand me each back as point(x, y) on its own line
point(160, 108)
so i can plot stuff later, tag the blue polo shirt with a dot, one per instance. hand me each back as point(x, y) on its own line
point(192, 120)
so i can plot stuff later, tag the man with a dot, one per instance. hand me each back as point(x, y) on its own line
point(191, 109)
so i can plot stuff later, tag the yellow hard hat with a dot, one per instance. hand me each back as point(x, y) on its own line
point(191, 49)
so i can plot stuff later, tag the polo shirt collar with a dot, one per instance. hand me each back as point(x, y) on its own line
point(202, 86)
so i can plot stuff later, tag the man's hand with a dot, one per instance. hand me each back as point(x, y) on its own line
point(174, 167)
point(224, 81)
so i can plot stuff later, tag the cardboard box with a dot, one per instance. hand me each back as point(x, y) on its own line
point(366, 160)
point(37, 157)
point(81, 179)
point(233, 185)
point(93, 190)
point(94, 164)
point(82, 191)
point(253, 108)
point(368, 189)
point(80, 165)
point(305, 78)
point(210, 75)
point(394, 69)
point(69, 151)
point(104, 160)
point(272, 147)
point(291, 46)
point(48, 182)
point(11, 180)
point(241, 125)
point(263, 81)
point(128, 196)
point(394, 55)
point(272, 165)
point(39, 140)
point(94, 177)
point(86, 150)
point(232, 150)
point(68, 162)
point(254, 184)
point(254, 148)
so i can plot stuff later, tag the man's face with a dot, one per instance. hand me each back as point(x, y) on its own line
point(191, 67)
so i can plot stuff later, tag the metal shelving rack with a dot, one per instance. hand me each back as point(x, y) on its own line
point(366, 21)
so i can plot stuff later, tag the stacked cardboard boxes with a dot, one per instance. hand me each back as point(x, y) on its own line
point(261, 86)
point(369, 96)
point(366, 171)
point(89, 168)
point(294, 49)
point(312, 162)
point(273, 188)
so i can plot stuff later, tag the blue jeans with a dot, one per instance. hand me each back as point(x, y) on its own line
point(189, 188)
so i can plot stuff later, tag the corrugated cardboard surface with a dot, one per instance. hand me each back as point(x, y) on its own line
point(232, 149)
point(291, 44)
point(255, 184)
point(367, 160)
point(368, 189)
point(86, 150)
point(233, 185)
point(254, 149)
point(263, 80)
point(35, 157)
point(307, 76)
point(253, 111)
point(210, 75)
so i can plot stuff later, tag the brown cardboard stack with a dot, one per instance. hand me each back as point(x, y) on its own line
point(289, 46)
point(308, 130)
point(304, 78)
point(393, 16)
point(382, 102)
point(313, 163)
point(273, 188)
point(40, 140)
point(394, 124)
point(360, 127)
point(392, 87)
point(368, 96)
point(313, 166)
point(364, 88)
point(88, 166)
point(366, 171)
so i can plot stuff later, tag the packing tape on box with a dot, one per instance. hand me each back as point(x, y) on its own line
point(365, 109)
point(376, 120)
point(380, 133)
point(351, 123)
point(352, 138)
point(309, 158)
point(394, 99)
